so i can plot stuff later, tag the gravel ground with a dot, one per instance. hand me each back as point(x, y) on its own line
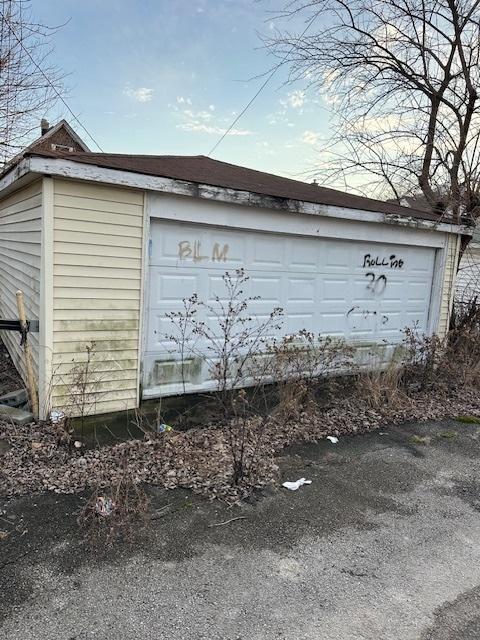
point(383, 544)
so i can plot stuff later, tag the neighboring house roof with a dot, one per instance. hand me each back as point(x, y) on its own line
point(415, 202)
point(419, 202)
point(204, 170)
point(60, 135)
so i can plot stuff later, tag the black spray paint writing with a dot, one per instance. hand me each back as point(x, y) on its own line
point(393, 262)
point(376, 284)
point(366, 313)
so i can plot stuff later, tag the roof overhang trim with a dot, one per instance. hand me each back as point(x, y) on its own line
point(92, 173)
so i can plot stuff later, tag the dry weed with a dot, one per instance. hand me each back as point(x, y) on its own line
point(115, 510)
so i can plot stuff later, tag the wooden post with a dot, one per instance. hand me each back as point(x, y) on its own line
point(31, 386)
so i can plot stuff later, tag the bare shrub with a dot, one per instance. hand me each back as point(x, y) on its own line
point(443, 365)
point(234, 348)
point(115, 509)
point(150, 427)
point(463, 345)
point(81, 389)
point(422, 355)
point(184, 322)
point(301, 362)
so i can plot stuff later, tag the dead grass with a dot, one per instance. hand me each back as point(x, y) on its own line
point(383, 387)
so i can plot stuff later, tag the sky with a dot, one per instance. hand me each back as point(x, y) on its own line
point(169, 77)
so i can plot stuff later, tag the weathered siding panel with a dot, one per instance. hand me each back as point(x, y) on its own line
point(20, 256)
point(97, 291)
point(448, 289)
point(467, 286)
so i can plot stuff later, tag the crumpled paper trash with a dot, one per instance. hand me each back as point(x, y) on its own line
point(104, 506)
point(293, 486)
point(56, 416)
point(164, 428)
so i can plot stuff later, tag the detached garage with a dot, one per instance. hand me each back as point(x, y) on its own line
point(104, 246)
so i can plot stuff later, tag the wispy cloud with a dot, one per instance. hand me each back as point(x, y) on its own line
point(310, 137)
point(203, 121)
point(140, 94)
point(290, 106)
point(296, 99)
point(201, 127)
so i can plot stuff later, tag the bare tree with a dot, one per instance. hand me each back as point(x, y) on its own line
point(29, 85)
point(402, 77)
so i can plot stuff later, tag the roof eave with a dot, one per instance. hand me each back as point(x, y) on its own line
point(75, 170)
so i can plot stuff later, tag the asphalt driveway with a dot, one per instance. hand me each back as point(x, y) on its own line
point(383, 545)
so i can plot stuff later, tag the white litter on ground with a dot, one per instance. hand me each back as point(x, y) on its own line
point(104, 506)
point(293, 486)
point(332, 439)
point(56, 416)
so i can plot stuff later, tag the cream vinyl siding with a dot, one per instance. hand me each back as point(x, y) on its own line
point(448, 289)
point(97, 278)
point(20, 257)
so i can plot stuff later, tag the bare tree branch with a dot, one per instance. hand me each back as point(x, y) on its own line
point(404, 77)
point(29, 85)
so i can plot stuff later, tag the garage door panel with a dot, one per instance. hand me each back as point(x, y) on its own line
point(336, 257)
point(306, 260)
point(301, 290)
point(335, 290)
point(417, 291)
point(172, 287)
point(298, 321)
point(394, 292)
point(363, 291)
point(268, 288)
point(268, 251)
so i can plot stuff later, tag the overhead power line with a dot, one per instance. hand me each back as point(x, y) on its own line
point(259, 91)
point(52, 86)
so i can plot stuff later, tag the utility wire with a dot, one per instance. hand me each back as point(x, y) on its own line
point(259, 91)
point(52, 86)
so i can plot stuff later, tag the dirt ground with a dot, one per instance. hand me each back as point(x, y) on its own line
point(384, 544)
point(9, 377)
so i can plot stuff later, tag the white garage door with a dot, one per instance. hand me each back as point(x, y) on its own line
point(362, 291)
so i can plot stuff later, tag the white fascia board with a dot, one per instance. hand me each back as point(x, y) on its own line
point(80, 171)
point(16, 173)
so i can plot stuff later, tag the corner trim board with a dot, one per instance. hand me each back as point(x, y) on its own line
point(46, 299)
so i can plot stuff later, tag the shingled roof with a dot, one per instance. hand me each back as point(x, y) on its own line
point(204, 170)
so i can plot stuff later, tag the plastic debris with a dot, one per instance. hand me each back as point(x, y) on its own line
point(56, 416)
point(293, 486)
point(164, 428)
point(104, 506)
point(332, 439)
point(77, 444)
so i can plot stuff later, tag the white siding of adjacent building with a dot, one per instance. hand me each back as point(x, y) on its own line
point(20, 258)
point(468, 277)
point(97, 278)
point(448, 288)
